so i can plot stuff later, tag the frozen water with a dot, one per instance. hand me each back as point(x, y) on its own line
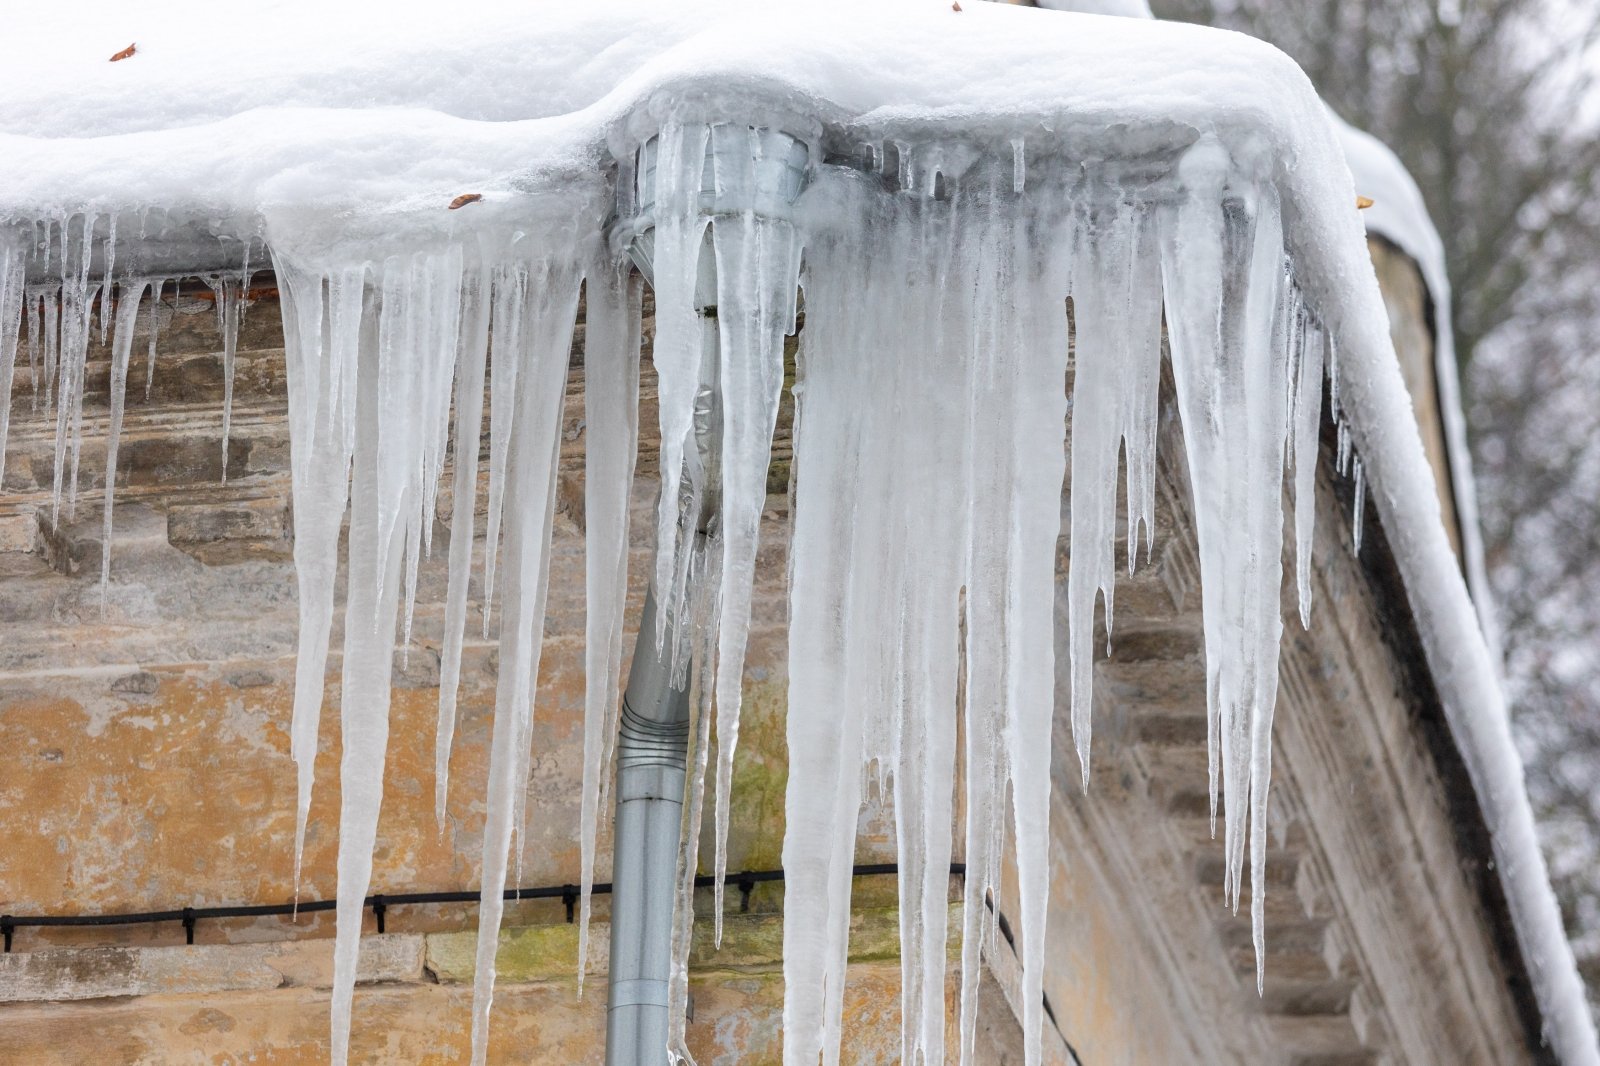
point(611, 437)
point(127, 313)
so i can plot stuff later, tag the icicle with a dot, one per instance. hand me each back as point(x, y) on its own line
point(524, 746)
point(34, 316)
point(13, 268)
point(111, 261)
point(530, 472)
point(464, 496)
point(77, 300)
point(1333, 381)
point(679, 236)
point(369, 636)
point(1267, 386)
point(1361, 502)
point(611, 439)
point(322, 320)
point(758, 262)
point(229, 301)
point(50, 313)
point(434, 324)
point(155, 329)
point(397, 390)
point(510, 294)
point(704, 559)
point(1222, 265)
point(1191, 265)
point(244, 280)
point(1141, 379)
point(1037, 411)
point(127, 312)
point(825, 744)
point(1019, 166)
point(1100, 302)
point(1307, 429)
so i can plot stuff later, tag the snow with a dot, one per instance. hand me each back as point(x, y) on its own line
point(969, 170)
point(1398, 213)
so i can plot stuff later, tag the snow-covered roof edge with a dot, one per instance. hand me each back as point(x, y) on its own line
point(1399, 214)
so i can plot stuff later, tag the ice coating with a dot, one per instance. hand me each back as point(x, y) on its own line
point(978, 121)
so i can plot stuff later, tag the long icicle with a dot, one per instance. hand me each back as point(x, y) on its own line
point(679, 235)
point(464, 498)
point(322, 327)
point(129, 294)
point(757, 268)
point(371, 603)
point(611, 444)
point(13, 272)
point(532, 450)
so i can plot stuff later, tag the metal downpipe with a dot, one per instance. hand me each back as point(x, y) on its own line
point(652, 756)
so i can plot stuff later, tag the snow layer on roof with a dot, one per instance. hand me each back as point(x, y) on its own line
point(1399, 214)
point(324, 131)
point(354, 118)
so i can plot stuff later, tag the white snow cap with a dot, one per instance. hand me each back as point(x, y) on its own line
point(970, 167)
point(1399, 214)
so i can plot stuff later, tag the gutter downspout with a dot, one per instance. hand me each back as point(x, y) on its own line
point(652, 754)
point(653, 743)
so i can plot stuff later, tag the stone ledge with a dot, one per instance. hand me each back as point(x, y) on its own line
point(59, 974)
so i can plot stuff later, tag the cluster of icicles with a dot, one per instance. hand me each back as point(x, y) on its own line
point(55, 323)
point(930, 459)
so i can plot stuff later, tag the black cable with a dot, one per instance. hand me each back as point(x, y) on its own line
point(380, 903)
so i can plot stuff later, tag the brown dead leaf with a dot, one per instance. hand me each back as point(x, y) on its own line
point(1363, 202)
point(125, 53)
point(464, 199)
point(955, 5)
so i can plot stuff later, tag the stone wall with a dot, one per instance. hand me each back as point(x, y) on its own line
point(147, 767)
